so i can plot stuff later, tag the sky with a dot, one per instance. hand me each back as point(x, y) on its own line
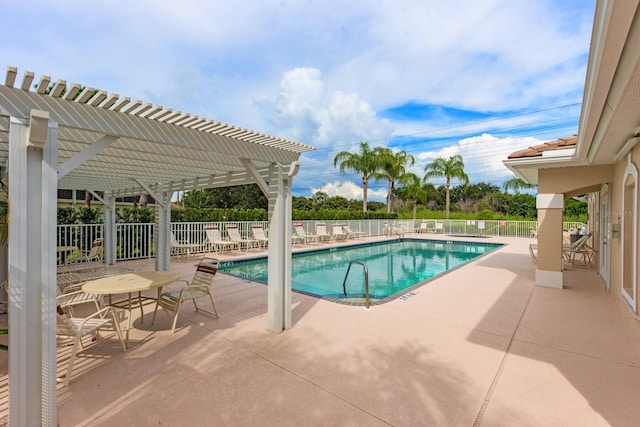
point(432, 77)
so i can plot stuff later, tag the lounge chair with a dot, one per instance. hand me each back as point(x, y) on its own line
point(216, 242)
point(579, 252)
point(198, 288)
point(299, 232)
point(321, 232)
point(390, 229)
point(439, 227)
point(338, 232)
point(352, 234)
point(234, 236)
point(258, 234)
point(78, 327)
point(182, 248)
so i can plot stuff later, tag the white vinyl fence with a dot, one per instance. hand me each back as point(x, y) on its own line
point(134, 241)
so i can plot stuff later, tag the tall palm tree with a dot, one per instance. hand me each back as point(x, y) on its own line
point(451, 168)
point(393, 168)
point(366, 162)
point(516, 184)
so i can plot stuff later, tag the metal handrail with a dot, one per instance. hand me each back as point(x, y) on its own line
point(366, 281)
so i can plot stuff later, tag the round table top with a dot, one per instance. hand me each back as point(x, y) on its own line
point(66, 248)
point(130, 282)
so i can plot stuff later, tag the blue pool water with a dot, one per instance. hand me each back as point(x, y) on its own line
point(393, 266)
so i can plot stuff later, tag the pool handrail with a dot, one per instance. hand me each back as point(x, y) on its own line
point(366, 281)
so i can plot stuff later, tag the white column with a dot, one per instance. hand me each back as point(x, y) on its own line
point(162, 233)
point(279, 263)
point(110, 238)
point(32, 270)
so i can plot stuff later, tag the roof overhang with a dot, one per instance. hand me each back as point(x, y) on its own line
point(125, 148)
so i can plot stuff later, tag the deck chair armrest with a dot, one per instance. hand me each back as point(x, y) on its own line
point(100, 313)
point(204, 288)
point(75, 288)
point(66, 295)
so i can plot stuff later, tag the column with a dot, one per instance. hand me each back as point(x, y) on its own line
point(549, 266)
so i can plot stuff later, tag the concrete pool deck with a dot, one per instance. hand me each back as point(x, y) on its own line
point(480, 346)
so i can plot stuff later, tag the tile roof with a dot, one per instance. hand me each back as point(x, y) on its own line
point(537, 150)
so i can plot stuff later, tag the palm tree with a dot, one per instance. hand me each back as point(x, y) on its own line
point(516, 184)
point(453, 167)
point(365, 162)
point(416, 190)
point(393, 168)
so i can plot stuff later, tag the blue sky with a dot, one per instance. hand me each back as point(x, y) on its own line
point(434, 78)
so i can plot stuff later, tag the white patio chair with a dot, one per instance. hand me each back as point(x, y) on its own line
point(199, 287)
point(234, 236)
point(439, 227)
point(258, 235)
point(78, 327)
point(215, 240)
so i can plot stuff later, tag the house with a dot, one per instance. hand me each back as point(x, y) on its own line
point(601, 161)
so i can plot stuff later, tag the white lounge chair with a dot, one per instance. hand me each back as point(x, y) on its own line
point(338, 232)
point(216, 242)
point(299, 231)
point(352, 234)
point(234, 236)
point(321, 232)
point(182, 248)
point(259, 235)
point(390, 229)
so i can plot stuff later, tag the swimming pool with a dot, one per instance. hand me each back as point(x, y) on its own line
point(394, 267)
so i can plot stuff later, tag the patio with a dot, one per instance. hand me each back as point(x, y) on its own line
point(479, 346)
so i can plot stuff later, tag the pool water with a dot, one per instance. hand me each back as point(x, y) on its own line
point(393, 266)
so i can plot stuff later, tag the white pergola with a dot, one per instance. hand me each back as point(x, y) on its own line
point(81, 138)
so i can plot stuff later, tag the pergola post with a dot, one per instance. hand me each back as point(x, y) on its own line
point(110, 238)
point(279, 262)
point(162, 232)
point(32, 270)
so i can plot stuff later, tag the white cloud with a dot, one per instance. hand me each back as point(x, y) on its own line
point(305, 111)
point(482, 155)
point(350, 190)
